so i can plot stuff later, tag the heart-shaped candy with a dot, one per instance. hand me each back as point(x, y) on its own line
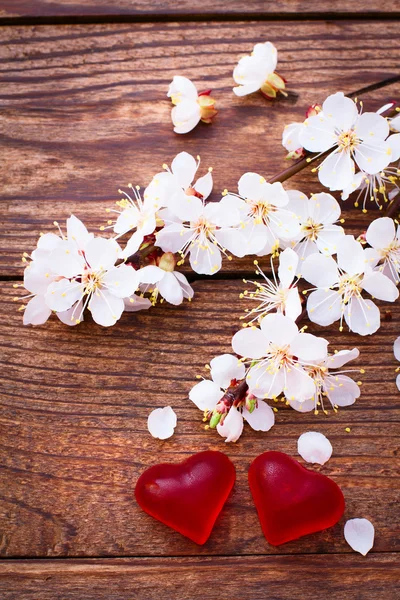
point(292, 501)
point(188, 496)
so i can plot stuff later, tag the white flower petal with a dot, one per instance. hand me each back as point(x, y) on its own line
point(298, 385)
point(323, 208)
point(396, 348)
point(37, 278)
point(398, 382)
point(370, 127)
point(320, 270)
point(65, 260)
point(185, 116)
point(232, 240)
point(329, 238)
point(318, 134)
point(250, 343)
point(205, 258)
point(314, 447)
point(251, 186)
point(298, 203)
point(133, 245)
point(101, 253)
point(173, 237)
point(135, 303)
point(350, 256)
point(61, 295)
point(324, 307)
point(204, 185)
point(340, 110)
point(341, 358)
point(150, 274)
point(265, 381)
point(127, 220)
point(184, 168)
point(380, 286)
point(186, 207)
point(394, 147)
point(278, 329)
point(288, 261)
point(48, 242)
point(262, 418)
point(232, 427)
point(362, 316)
point(206, 395)
point(161, 423)
point(77, 232)
point(341, 390)
point(187, 289)
point(182, 88)
point(337, 171)
point(121, 281)
point(308, 347)
point(293, 306)
point(73, 316)
point(36, 311)
point(170, 289)
point(291, 136)
point(359, 534)
point(106, 308)
point(303, 406)
point(225, 368)
point(381, 232)
point(275, 194)
point(373, 159)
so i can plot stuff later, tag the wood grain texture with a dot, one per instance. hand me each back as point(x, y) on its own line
point(206, 8)
point(74, 405)
point(234, 578)
point(84, 109)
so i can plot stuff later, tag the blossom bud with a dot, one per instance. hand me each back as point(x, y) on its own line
point(207, 107)
point(295, 154)
point(272, 85)
point(313, 110)
point(215, 419)
point(251, 402)
point(167, 262)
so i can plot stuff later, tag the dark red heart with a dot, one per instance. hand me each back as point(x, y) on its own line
point(188, 496)
point(292, 501)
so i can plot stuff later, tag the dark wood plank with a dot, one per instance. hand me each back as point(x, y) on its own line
point(84, 108)
point(233, 578)
point(159, 8)
point(74, 405)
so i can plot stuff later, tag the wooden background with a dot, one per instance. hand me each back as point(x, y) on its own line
point(83, 111)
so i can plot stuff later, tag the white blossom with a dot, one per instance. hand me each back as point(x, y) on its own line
point(384, 254)
point(279, 355)
point(190, 107)
point(318, 218)
point(88, 277)
point(161, 423)
point(339, 287)
point(350, 137)
point(256, 72)
point(227, 374)
point(207, 232)
point(359, 534)
point(171, 285)
point(275, 294)
point(332, 385)
point(314, 447)
point(265, 217)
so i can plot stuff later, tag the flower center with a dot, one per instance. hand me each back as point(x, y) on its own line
point(92, 281)
point(392, 249)
point(347, 141)
point(260, 210)
point(311, 229)
point(202, 226)
point(349, 286)
point(280, 356)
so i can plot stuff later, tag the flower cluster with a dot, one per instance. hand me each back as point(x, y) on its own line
point(346, 138)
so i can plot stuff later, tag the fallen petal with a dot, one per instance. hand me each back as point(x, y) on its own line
point(359, 534)
point(314, 447)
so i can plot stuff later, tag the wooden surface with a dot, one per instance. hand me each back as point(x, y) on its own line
point(83, 111)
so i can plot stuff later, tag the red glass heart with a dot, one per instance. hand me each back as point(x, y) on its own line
point(292, 501)
point(188, 496)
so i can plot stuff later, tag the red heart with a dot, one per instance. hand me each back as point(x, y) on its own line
point(292, 501)
point(189, 496)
